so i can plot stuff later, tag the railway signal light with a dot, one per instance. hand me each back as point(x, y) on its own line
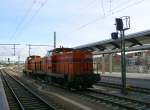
point(114, 35)
point(119, 24)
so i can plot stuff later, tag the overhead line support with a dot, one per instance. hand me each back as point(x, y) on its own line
point(14, 47)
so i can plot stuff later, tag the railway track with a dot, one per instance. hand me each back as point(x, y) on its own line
point(129, 88)
point(12, 101)
point(21, 98)
point(114, 101)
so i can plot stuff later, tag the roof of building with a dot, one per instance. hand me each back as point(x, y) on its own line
point(133, 42)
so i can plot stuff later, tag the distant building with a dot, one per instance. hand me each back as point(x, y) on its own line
point(138, 62)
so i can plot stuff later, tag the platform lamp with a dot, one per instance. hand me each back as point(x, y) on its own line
point(122, 24)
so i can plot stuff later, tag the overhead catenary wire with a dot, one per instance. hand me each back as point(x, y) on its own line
point(129, 6)
point(3, 50)
point(37, 11)
point(20, 31)
point(23, 19)
point(88, 5)
point(120, 5)
point(36, 45)
point(108, 14)
point(110, 3)
point(7, 47)
point(14, 47)
point(102, 5)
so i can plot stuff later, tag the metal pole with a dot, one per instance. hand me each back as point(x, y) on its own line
point(29, 49)
point(54, 40)
point(14, 49)
point(8, 60)
point(18, 62)
point(123, 63)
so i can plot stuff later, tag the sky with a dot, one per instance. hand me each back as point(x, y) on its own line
point(76, 22)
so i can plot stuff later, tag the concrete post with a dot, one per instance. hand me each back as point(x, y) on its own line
point(103, 64)
point(110, 63)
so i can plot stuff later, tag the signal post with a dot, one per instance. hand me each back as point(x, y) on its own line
point(122, 24)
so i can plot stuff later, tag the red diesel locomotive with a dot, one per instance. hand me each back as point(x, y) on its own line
point(65, 66)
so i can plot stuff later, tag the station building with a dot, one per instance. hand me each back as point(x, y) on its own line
point(136, 62)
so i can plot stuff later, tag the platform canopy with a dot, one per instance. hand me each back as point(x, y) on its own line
point(134, 42)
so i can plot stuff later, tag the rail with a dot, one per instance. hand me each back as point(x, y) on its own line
point(129, 88)
point(26, 99)
point(120, 102)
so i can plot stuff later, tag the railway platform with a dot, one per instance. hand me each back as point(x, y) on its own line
point(134, 79)
point(145, 76)
point(3, 100)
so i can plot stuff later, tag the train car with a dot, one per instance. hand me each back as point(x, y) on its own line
point(28, 67)
point(44, 64)
point(67, 67)
point(33, 65)
point(28, 64)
